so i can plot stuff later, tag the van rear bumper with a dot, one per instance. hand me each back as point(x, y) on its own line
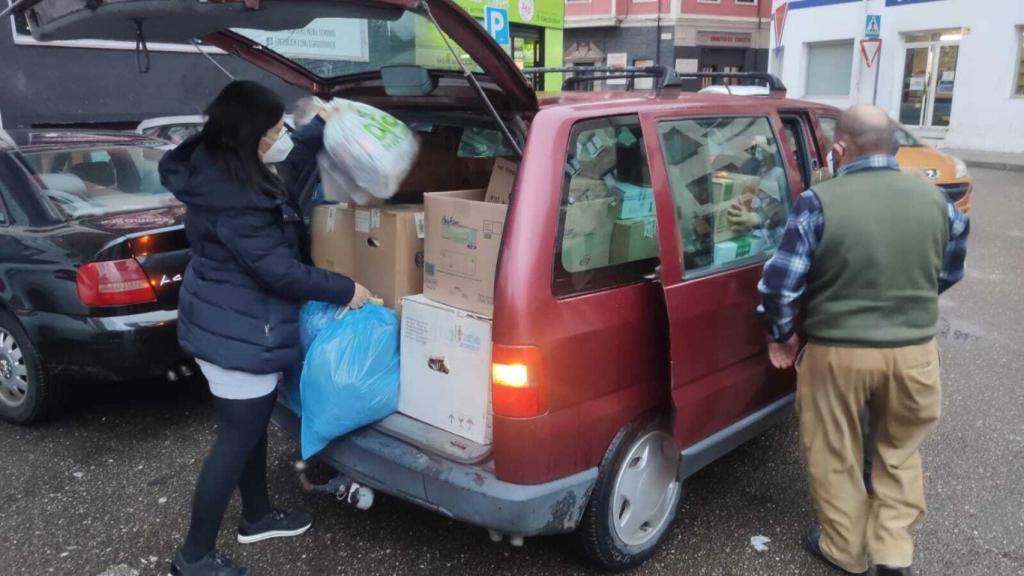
point(469, 493)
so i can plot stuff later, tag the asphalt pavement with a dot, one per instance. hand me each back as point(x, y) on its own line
point(105, 489)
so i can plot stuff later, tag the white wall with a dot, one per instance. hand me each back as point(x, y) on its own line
point(985, 114)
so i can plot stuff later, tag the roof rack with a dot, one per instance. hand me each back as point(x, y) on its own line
point(773, 83)
point(667, 77)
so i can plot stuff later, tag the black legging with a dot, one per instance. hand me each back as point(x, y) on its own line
point(238, 458)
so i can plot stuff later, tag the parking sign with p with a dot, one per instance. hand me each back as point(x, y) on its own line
point(496, 22)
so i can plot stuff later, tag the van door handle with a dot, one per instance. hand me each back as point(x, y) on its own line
point(654, 276)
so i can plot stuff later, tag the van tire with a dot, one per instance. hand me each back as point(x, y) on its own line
point(598, 535)
point(19, 356)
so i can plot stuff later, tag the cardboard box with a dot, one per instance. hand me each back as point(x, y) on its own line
point(634, 201)
point(587, 235)
point(634, 240)
point(726, 189)
point(446, 368)
point(738, 249)
point(585, 188)
point(503, 178)
point(332, 246)
point(381, 248)
point(463, 238)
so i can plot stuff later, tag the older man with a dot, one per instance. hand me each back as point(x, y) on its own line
point(866, 254)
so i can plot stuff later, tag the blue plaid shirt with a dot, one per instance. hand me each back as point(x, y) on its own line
point(785, 275)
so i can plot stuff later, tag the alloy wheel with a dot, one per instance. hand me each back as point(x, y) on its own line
point(646, 489)
point(13, 372)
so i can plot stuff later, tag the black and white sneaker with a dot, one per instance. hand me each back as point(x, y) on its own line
point(213, 564)
point(277, 524)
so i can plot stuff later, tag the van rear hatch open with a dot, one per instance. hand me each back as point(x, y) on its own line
point(386, 33)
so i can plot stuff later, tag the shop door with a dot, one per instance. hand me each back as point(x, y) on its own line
point(929, 77)
point(528, 52)
point(721, 60)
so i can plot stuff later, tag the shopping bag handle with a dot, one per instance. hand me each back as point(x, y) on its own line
point(371, 300)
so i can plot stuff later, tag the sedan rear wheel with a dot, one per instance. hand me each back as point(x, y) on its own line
point(25, 391)
point(13, 374)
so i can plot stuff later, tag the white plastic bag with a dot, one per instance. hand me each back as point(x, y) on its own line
point(367, 153)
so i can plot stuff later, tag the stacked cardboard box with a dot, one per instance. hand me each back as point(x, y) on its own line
point(446, 368)
point(726, 189)
point(634, 240)
point(381, 248)
point(446, 331)
point(463, 237)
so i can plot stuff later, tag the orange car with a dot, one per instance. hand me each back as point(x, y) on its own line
point(946, 171)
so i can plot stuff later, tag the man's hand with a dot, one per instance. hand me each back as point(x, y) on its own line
point(783, 354)
point(740, 218)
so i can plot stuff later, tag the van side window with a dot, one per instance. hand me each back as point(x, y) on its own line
point(793, 130)
point(828, 127)
point(607, 234)
point(730, 190)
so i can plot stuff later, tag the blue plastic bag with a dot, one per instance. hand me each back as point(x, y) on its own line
point(288, 389)
point(313, 318)
point(350, 378)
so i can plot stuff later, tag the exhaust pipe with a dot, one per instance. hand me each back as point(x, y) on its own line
point(172, 376)
point(342, 487)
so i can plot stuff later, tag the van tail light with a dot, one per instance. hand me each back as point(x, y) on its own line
point(114, 283)
point(517, 382)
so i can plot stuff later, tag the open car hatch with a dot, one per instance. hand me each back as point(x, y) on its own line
point(390, 32)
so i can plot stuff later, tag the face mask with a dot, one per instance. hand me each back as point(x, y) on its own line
point(279, 150)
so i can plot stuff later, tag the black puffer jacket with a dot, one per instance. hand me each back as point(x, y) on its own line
point(240, 299)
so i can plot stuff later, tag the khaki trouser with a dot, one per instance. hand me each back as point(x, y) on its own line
point(902, 390)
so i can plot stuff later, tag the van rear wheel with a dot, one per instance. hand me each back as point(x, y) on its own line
point(634, 501)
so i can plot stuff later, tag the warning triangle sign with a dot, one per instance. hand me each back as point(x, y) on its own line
point(779, 18)
point(869, 48)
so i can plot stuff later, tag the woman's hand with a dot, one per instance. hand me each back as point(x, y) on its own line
point(359, 297)
point(325, 110)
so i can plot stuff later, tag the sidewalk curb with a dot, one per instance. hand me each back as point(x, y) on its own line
point(992, 165)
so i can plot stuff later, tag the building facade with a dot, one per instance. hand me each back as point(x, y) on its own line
point(688, 35)
point(950, 70)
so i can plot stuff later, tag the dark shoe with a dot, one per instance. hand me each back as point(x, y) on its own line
point(277, 524)
point(891, 571)
point(213, 564)
point(812, 541)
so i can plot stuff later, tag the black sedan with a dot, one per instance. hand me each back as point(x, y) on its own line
point(92, 250)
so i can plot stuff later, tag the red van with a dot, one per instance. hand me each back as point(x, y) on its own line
point(635, 367)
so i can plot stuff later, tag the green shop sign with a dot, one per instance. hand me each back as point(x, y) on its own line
point(542, 13)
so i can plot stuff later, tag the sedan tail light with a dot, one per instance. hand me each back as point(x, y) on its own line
point(114, 283)
point(517, 382)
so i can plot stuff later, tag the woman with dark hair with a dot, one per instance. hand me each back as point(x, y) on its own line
point(239, 305)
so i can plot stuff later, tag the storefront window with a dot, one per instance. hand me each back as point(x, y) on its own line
point(643, 83)
point(929, 78)
point(829, 67)
point(1019, 88)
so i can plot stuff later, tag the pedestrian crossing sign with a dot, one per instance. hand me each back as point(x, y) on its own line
point(873, 26)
